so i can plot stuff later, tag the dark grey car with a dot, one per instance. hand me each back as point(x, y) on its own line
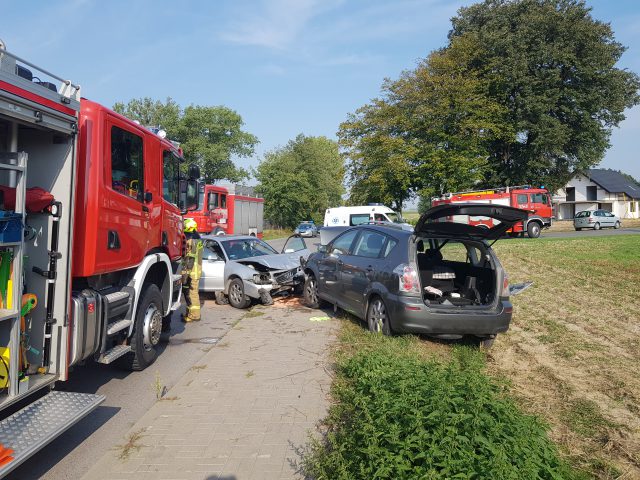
point(443, 279)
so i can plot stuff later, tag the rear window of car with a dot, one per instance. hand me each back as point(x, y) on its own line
point(392, 242)
point(582, 214)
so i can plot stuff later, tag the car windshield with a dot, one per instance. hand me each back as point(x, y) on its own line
point(245, 248)
point(395, 217)
point(304, 226)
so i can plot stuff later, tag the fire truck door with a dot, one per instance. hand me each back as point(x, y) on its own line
point(124, 223)
point(171, 218)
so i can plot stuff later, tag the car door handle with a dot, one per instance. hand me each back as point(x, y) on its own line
point(340, 262)
point(370, 268)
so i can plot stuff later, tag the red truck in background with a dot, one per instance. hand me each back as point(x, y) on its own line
point(536, 200)
point(229, 209)
point(93, 273)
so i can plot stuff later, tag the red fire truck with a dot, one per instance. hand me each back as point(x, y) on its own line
point(536, 200)
point(90, 248)
point(230, 209)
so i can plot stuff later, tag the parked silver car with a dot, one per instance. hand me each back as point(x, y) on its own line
point(239, 268)
point(595, 219)
point(306, 229)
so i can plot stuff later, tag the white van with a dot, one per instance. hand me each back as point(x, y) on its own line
point(351, 216)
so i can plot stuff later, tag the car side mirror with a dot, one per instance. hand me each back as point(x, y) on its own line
point(322, 249)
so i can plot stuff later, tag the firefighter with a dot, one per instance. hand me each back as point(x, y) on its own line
point(192, 270)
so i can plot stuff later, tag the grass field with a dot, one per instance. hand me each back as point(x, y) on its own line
point(570, 359)
point(573, 350)
point(272, 234)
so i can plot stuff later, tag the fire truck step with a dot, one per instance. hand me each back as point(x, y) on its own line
point(28, 430)
point(115, 327)
point(113, 354)
point(116, 296)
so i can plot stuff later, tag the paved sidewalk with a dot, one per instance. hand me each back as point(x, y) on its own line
point(243, 412)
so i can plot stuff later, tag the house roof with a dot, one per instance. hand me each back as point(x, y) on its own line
point(614, 182)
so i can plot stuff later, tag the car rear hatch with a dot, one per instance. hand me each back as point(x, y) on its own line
point(453, 220)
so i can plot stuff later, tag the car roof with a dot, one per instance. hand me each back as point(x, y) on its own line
point(392, 229)
point(229, 237)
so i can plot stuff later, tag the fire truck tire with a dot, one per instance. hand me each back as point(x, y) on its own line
point(146, 331)
point(221, 298)
point(533, 229)
point(237, 298)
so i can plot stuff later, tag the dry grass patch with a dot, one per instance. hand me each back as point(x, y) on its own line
point(573, 350)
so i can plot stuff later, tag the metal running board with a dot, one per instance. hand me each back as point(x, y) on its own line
point(115, 327)
point(28, 430)
point(116, 296)
point(113, 354)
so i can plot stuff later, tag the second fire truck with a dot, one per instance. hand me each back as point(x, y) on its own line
point(535, 200)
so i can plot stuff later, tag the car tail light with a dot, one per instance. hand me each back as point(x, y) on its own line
point(408, 278)
point(591, 219)
point(505, 284)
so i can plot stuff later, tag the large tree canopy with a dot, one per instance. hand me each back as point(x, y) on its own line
point(429, 132)
point(526, 91)
point(301, 180)
point(552, 66)
point(209, 136)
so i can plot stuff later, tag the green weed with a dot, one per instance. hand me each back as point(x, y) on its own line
point(399, 414)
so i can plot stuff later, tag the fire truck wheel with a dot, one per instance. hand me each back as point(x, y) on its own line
point(221, 298)
point(533, 229)
point(237, 298)
point(146, 330)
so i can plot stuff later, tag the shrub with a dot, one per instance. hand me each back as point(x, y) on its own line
point(397, 416)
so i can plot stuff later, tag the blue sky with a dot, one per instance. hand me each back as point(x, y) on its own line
point(287, 66)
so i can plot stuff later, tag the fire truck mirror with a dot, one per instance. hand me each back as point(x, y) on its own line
point(194, 172)
point(188, 195)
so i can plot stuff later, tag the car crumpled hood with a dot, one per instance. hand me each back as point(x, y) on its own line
point(281, 261)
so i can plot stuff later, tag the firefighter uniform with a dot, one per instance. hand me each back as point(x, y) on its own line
point(192, 270)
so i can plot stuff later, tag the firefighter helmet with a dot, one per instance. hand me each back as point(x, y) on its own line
point(190, 225)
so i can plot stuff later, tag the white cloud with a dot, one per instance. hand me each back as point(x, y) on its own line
point(277, 26)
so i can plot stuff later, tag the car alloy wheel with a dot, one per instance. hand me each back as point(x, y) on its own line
point(237, 298)
point(377, 317)
point(596, 226)
point(310, 292)
point(617, 225)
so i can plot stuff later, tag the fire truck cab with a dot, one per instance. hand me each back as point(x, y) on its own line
point(229, 209)
point(536, 201)
point(90, 247)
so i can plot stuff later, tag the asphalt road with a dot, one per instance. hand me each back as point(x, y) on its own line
point(129, 396)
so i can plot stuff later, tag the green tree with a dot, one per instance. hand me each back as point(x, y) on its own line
point(209, 136)
point(301, 180)
point(552, 66)
point(429, 132)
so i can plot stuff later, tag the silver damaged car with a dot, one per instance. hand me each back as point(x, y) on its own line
point(239, 268)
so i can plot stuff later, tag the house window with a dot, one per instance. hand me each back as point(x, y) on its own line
point(571, 194)
point(592, 193)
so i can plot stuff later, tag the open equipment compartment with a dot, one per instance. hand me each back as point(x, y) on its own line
point(39, 154)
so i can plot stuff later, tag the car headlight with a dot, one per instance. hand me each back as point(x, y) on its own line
point(262, 278)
